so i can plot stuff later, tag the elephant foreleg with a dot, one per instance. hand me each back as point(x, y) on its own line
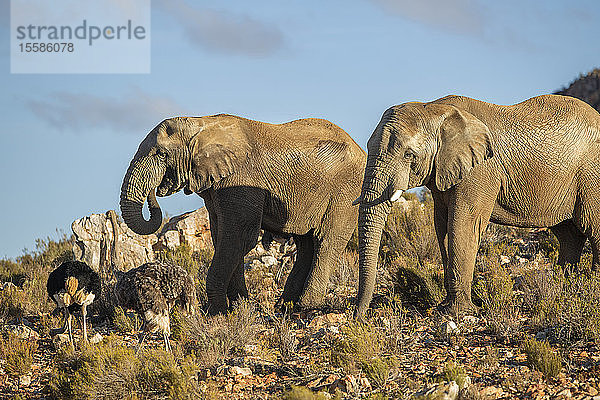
point(571, 242)
point(466, 225)
point(238, 217)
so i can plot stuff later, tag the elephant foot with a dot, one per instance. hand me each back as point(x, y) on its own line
point(216, 307)
point(457, 306)
point(308, 302)
point(285, 306)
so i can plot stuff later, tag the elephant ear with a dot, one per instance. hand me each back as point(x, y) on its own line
point(219, 149)
point(464, 143)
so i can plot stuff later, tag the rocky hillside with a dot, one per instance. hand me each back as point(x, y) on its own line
point(586, 88)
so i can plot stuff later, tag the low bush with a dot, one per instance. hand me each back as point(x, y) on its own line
point(377, 371)
point(111, 370)
point(409, 232)
point(454, 372)
point(418, 285)
point(541, 357)
point(13, 301)
point(568, 306)
point(17, 354)
point(358, 346)
point(494, 288)
point(212, 339)
point(123, 322)
point(303, 393)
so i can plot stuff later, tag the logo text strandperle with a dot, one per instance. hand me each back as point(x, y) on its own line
point(83, 31)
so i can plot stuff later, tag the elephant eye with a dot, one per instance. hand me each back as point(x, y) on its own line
point(409, 155)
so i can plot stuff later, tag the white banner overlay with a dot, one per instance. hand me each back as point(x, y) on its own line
point(75, 36)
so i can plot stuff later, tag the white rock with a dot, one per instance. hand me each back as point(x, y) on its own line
point(448, 328)
point(22, 331)
point(243, 371)
point(25, 380)
point(97, 338)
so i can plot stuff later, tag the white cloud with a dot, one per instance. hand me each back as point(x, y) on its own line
point(224, 32)
point(132, 112)
point(458, 16)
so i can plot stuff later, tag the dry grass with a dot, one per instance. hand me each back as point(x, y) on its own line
point(410, 233)
point(17, 354)
point(212, 339)
point(111, 370)
point(499, 303)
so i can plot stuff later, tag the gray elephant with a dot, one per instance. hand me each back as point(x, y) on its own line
point(532, 164)
point(297, 178)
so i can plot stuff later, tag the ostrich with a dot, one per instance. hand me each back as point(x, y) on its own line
point(73, 286)
point(152, 289)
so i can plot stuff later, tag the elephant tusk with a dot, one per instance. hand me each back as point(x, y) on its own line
point(396, 196)
point(357, 201)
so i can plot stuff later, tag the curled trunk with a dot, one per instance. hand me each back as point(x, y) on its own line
point(139, 184)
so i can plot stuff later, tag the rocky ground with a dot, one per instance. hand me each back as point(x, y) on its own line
point(404, 351)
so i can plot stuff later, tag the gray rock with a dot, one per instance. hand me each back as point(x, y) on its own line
point(191, 228)
point(94, 238)
point(22, 331)
point(60, 341)
point(442, 391)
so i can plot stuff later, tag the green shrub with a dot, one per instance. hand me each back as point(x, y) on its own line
point(418, 285)
point(124, 323)
point(454, 372)
point(359, 344)
point(111, 370)
point(303, 393)
point(410, 233)
point(577, 310)
point(541, 357)
point(568, 306)
point(30, 271)
point(495, 290)
point(17, 354)
point(377, 371)
point(13, 302)
point(542, 289)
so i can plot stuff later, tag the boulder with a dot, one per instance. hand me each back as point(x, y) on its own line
point(94, 239)
point(191, 228)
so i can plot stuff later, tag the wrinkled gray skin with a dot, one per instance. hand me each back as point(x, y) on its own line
point(297, 179)
point(532, 164)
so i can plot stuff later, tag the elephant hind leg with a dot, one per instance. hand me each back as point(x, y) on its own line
point(571, 241)
point(237, 284)
point(295, 281)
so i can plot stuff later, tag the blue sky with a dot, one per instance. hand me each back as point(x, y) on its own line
point(67, 139)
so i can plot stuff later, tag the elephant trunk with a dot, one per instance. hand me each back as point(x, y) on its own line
point(139, 184)
point(371, 221)
point(374, 209)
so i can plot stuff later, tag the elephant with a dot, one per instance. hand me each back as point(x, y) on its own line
point(294, 179)
point(531, 164)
